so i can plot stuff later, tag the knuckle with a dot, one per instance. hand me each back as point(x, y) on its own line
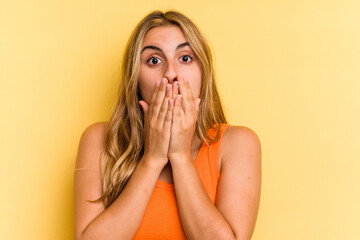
point(152, 124)
point(169, 108)
point(167, 118)
point(164, 108)
point(157, 102)
point(163, 88)
point(159, 129)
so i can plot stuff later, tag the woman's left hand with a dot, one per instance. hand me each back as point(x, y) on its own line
point(183, 125)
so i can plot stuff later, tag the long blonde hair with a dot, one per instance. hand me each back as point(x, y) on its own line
point(124, 145)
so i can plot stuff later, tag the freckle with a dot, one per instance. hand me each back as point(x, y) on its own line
point(248, 177)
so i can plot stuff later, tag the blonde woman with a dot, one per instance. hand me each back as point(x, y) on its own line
point(167, 165)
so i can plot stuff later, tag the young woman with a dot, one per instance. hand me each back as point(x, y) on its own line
point(167, 165)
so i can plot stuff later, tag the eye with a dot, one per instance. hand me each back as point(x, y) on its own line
point(153, 60)
point(186, 58)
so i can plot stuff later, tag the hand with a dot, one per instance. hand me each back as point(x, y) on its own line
point(157, 123)
point(183, 126)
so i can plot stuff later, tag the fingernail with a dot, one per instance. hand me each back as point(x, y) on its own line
point(158, 83)
point(163, 81)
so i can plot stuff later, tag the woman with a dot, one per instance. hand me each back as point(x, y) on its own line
point(167, 165)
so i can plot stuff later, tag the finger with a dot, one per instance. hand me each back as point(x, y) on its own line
point(155, 107)
point(194, 103)
point(153, 96)
point(164, 106)
point(169, 114)
point(177, 110)
point(175, 90)
point(188, 100)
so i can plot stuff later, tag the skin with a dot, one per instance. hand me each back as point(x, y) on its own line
point(170, 124)
point(170, 83)
point(169, 128)
point(170, 63)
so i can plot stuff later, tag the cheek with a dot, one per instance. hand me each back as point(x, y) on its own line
point(143, 86)
point(195, 86)
point(196, 82)
point(146, 85)
point(144, 90)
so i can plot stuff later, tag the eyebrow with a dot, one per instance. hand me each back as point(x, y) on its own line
point(159, 49)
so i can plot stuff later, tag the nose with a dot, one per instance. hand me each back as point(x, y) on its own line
point(171, 72)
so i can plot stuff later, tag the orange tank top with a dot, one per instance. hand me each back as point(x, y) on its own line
point(161, 219)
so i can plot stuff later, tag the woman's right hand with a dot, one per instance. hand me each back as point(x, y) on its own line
point(157, 123)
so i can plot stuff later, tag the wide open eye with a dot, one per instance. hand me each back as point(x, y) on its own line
point(153, 60)
point(186, 58)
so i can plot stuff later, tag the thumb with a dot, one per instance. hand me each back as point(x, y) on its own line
point(197, 104)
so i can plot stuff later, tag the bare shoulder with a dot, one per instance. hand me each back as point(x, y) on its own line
point(239, 139)
point(239, 187)
point(87, 179)
point(242, 133)
point(95, 130)
point(92, 142)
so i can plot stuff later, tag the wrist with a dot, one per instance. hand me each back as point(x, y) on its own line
point(152, 163)
point(180, 159)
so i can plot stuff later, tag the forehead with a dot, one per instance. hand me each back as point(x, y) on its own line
point(169, 34)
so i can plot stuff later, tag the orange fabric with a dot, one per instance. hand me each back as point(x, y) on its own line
point(161, 219)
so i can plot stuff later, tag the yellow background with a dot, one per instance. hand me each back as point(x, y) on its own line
point(289, 70)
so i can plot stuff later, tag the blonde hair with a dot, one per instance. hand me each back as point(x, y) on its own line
point(124, 145)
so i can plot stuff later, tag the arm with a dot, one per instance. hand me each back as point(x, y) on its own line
point(121, 219)
point(199, 217)
point(238, 195)
point(235, 211)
